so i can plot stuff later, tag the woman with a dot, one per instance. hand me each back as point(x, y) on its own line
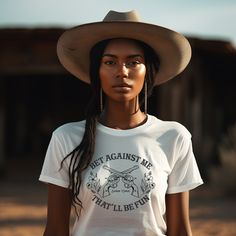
point(126, 172)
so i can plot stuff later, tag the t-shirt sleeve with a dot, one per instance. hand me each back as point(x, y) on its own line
point(185, 174)
point(52, 171)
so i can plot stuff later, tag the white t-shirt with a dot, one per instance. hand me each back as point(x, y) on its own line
point(123, 190)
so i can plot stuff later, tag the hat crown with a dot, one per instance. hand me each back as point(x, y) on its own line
point(122, 16)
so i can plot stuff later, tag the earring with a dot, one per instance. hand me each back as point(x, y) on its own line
point(145, 97)
point(101, 100)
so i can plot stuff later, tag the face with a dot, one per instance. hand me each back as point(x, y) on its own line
point(122, 70)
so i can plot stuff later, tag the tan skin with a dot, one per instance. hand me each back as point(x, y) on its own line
point(122, 74)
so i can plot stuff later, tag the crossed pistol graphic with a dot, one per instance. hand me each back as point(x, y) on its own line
point(115, 177)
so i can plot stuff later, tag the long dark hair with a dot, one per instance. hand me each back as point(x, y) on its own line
point(81, 156)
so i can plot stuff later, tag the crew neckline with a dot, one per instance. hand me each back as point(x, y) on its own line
point(124, 132)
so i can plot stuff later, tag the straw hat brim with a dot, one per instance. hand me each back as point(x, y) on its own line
point(172, 48)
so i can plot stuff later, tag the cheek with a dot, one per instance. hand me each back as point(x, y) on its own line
point(105, 79)
point(142, 72)
point(141, 76)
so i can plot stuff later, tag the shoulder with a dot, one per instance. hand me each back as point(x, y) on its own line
point(70, 129)
point(174, 139)
point(170, 128)
point(67, 137)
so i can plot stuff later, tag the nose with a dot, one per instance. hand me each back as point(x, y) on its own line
point(122, 71)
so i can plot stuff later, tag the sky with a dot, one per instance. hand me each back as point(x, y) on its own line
point(207, 19)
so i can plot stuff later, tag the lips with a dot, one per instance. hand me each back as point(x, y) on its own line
point(122, 88)
point(122, 85)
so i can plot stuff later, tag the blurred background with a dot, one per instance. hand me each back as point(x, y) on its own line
point(37, 95)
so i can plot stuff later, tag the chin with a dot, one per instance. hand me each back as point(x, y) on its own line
point(123, 98)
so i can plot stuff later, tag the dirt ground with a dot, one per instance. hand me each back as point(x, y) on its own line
point(23, 208)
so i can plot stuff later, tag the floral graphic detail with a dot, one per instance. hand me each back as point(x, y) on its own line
point(115, 177)
point(147, 183)
point(93, 183)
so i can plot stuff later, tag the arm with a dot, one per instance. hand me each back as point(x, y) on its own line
point(177, 214)
point(58, 213)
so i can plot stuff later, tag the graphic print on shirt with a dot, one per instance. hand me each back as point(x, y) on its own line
point(110, 185)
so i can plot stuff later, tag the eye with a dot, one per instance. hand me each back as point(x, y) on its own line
point(109, 62)
point(133, 63)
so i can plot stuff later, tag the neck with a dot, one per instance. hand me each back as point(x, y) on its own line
point(122, 115)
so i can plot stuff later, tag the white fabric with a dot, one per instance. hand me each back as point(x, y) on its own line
point(123, 190)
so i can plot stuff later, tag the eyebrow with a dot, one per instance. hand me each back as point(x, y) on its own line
point(130, 56)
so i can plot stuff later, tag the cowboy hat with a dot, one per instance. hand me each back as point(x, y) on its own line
point(172, 48)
